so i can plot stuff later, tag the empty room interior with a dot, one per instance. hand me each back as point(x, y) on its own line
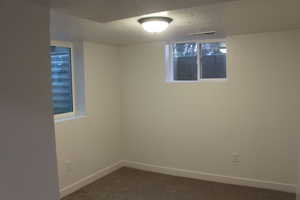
point(150, 99)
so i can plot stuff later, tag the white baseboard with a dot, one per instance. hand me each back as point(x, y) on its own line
point(177, 172)
point(89, 179)
point(212, 177)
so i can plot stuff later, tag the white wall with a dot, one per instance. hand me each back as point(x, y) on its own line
point(27, 145)
point(188, 126)
point(92, 143)
point(197, 126)
point(298, 144)
point(298, 173)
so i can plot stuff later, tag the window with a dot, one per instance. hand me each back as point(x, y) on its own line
point(185, 57)
point(62, 79)
point(192, 61)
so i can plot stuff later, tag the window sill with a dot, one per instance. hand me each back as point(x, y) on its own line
point(200, 81)
point(69, 118)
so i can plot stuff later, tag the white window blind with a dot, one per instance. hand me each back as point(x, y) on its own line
point(61, 68)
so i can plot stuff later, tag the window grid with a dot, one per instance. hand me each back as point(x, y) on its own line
point(170, 62)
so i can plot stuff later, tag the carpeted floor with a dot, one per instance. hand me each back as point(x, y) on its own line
point(131, 184)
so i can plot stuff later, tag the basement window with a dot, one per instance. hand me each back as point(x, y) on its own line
point(196, 61)
point(62, 77)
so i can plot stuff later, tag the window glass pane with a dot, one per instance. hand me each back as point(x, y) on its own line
point(185, 61)
point(213, 60)
point(61, 69)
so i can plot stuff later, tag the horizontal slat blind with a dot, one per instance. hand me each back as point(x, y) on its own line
point(61, 68)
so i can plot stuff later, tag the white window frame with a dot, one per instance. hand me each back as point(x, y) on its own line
point(170, 64)
point(71, 46)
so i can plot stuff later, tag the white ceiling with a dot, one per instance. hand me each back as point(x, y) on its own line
point(110, 10)
point(231, 17)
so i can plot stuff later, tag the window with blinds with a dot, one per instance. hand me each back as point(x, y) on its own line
point(61, 68)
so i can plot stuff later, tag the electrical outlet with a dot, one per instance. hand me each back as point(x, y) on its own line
point(235, 158)
point(68, 166)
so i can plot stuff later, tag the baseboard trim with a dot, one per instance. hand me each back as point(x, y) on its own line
point(89, 179)
point(177, 172)
point(212, 177)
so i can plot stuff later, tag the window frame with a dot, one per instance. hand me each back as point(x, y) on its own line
point(73, 113)
point(170, 64)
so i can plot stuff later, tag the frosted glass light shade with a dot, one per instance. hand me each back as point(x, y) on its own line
point(155, 24)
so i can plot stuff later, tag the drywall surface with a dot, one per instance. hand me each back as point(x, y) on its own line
point(92, 142)
point(27, 145)
point(298, 139)
point(298, 174)
point(199, 126)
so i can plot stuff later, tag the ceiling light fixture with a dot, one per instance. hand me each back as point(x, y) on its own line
point(155, 24)
point(223, 50)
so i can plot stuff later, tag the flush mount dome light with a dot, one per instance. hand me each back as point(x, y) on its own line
point(155, 24)
point(223, 50)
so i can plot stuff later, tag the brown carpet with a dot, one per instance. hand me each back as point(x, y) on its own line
point(132, 184)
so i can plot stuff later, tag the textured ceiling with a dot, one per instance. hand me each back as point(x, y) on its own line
point(110, 10)
point(229, 18)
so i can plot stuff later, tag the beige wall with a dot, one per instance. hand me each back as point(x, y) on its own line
point(193, 126)
point(197, 126)
point(27, 145)
point(298, 173)
point(92, 142)
point(188, 126)
point(298, 139)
